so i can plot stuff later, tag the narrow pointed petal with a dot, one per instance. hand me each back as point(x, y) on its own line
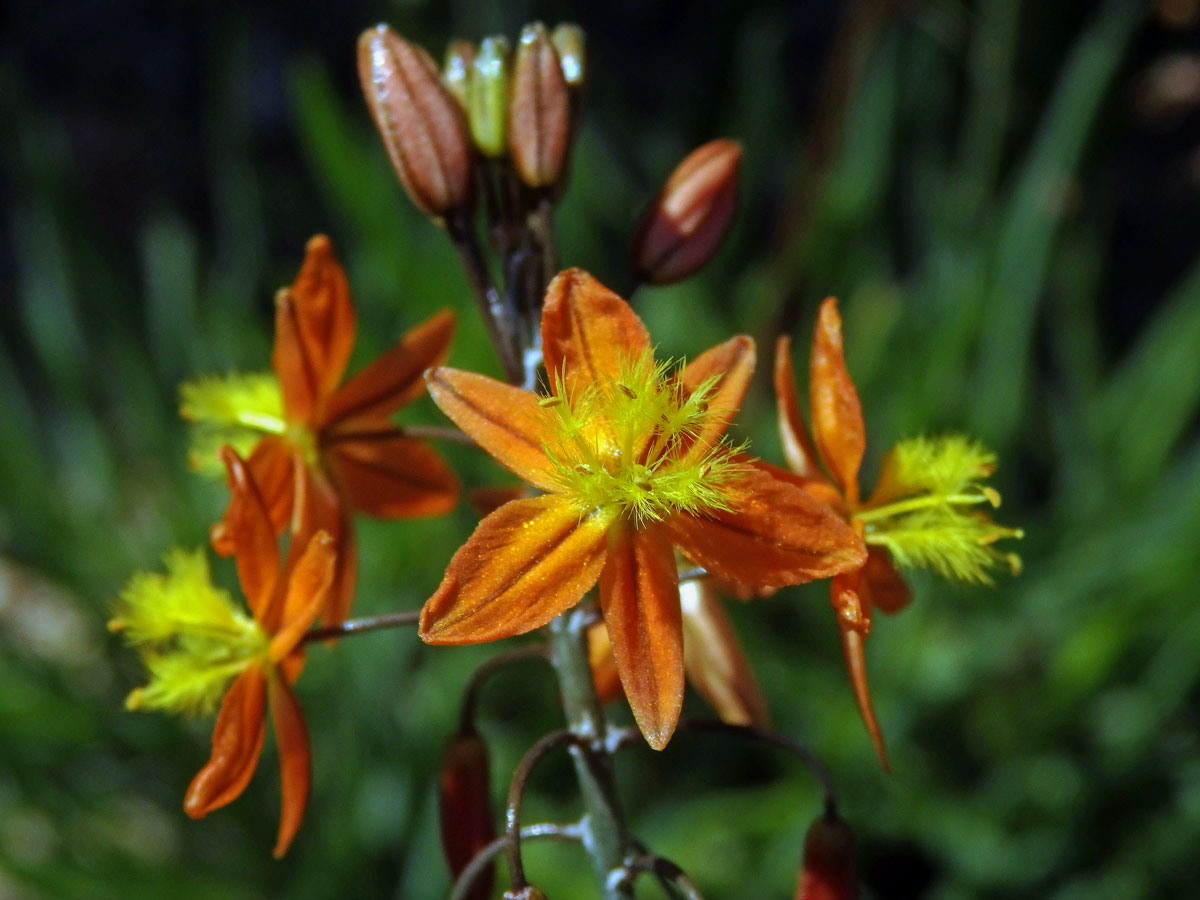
point(775, 535)
point(505, 421)
point(249, 530)
point(714, 660)
point(639, 595)
point(605, 677)
point(307, 590)
point(393, 477)
point(319, 508)
point(854, 623)
point(836, 411)
point(295, 762)
point(732, 364)
point(884, 587)
point(588, 332)
point(798, 449)
point(237, 742)
point(395, 379)
point(325, 314)
point(527, 562)
point(271, 468)
point(293, 362)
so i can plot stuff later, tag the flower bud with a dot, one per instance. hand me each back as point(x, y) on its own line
point(828, 869)
point(681, 230)
point(456, 70)
point(465, 807)
point(539, 115)
point(419, 120)
point(569, 41)
point(487, 97)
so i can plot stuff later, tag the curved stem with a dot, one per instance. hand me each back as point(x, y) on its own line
point(481, 860)
point(775, 739)
point(362, 626)
point(485, 671)
point(516, 792)
point(674, 879)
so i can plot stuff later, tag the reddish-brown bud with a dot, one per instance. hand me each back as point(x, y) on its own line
point(539, 110)
point(681, 230)
point(465, 807)
point(828, 869)
point(421, 123)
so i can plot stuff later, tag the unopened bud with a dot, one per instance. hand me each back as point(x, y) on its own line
point(456, 70)
point(570, 43)
point(487, 97)
point(465, 806)
point(681, 230)
point(828, 869)
point(539, 117)
point(419, 120)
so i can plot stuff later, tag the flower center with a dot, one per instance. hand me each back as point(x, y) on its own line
point(627, 446)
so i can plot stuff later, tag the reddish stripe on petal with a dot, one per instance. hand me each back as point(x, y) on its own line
point(295, 762)
point(249, 530)
point(505, 421)
point(733, 364)
point(394, 379)
point(588, 331)
point(527, 562)
point(775, 535)
point(798, 449)
point(324, 313)
point(394, 477)
point(836, 412)
point(236, 745)
point(639, 595)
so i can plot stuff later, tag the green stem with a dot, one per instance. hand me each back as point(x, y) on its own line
point(604, 835)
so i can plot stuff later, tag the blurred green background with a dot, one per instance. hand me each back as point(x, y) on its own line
point(1006, 198)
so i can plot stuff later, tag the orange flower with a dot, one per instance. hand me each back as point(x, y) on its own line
point(633, 464)
point(193, 639)
point(335, 446)
point(915, 515)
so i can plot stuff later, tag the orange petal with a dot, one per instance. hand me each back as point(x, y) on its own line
point(324, 315)
point(527, 562)
point(836, 412)
point(394, 379)
point(270, 465)
point(295, 761)
point(249, 529)
point(237, 742)
point(882, 586)
point(639, 595)
point(588, 332)
point(733, 364)
point(393, 477)
point(854, 623)
point(798, 448)
point(605, 678)
point(714, 660)
point(775, 535)
point(307, 589)
point(292, 361)
point(319, 507)
point(504, 420)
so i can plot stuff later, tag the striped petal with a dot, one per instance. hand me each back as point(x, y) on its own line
point(395, 378)
point(236, 745)
point(386, 475)
point(714, 660)
point(588, 332)
point(505, 421)
point(775, 535)
point(249, 529)
point(324, 315)
point(798, 449)
point(527, 562)
point(295, 761)
point(271, 468)
point(639, 595)
point(307, 589)
point(732, 365)
point(836, 411)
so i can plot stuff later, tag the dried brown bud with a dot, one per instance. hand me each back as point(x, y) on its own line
point(465, 806)
point(828, 869)
point(539, 112)
point(421, 123)
point(681, 230)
